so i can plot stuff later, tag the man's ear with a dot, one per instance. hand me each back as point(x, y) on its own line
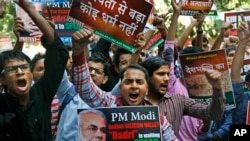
point(105, 79)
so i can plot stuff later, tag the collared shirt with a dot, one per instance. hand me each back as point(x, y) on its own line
point(190, 127)
point(222, 126)
point(67, 128)
point(95, 97)
point(175, 106)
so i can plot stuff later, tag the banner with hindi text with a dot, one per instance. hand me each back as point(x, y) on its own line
point(117, 21)
point(192, 7)
point(193, 67)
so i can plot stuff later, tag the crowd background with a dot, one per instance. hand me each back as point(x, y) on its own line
point(164, 78)
point(160, 5)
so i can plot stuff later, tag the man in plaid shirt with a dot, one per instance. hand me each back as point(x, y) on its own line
point(133, 87)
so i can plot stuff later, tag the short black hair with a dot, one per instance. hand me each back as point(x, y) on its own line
point(192, 49)
point(12, 54)
point(135, 66)
point(230, 48)
point(204, 39)
point(153, 63)
point(247, 77)
point(99, 57)
point(36, 58)
point(119, 52)
point(8, 55)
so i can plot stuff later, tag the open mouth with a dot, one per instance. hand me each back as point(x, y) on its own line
point(133, 95)
point(163, 87)
point(21, 83)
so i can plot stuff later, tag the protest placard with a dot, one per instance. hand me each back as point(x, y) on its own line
point(192, 7)
point(31, 32)
point(128, 123)
point(59, 12)
point(116, 21)
point(234, 17)
point(193, 68)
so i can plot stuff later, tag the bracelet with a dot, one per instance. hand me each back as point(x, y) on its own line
point(199, 31)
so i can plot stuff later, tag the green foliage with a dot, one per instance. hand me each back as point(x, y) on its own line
point(212, 25)
point(6, 23)
point(227, 5)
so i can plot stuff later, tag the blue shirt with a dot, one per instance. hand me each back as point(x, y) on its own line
point(68, 124)
point(222, 126)
point(241, 99)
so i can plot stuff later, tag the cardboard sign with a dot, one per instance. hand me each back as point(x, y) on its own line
point(235, 19)
point(59, 12)
point(116, 21)
point(128, 123)
point(192, 7)
point(193, 68)
point(32, 33)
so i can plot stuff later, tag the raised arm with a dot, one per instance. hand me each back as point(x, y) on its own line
point(241, 99)
point(224, 32)
point(218, 98)
point(56, 53)
point(168, 51)
point(18, 26)
point(243, 34)
point(195, 21)
point(87, 89)
point(173, 25)
point(199, 37)
point(139, 44)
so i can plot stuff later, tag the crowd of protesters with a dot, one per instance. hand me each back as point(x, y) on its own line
point(41, 95)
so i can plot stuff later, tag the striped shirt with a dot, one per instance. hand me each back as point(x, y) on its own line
point(190, 128)
point(175, 106)
point(54, 117)
point(95, 97)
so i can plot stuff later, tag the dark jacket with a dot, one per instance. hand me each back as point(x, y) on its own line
point(32, 123)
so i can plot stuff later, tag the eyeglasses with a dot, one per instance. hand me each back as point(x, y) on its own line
point(98, 71)
point(12, 69)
